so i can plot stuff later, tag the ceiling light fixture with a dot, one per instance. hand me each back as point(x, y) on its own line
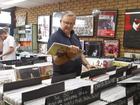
point(12, 2)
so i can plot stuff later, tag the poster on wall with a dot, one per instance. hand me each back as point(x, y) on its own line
point(111, 48)
point(21, 19)
point(56, 16)
point(43, 28)
point(42, 48)
point(107, 24)
point(93, 48)
point(132, 29)
point(84, 25)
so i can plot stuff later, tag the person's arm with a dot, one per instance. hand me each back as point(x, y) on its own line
point(11, 49)
point(85, 62)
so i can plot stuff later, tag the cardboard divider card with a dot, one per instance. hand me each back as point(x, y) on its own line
point(89, 99)
point(104, 84)
point(110, 68)
point(97, 72)
point(63, 77)
point(94, 72)
point(45, 91)
point(20, 84)
point(72, 97)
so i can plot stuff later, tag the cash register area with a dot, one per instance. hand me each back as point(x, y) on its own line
point(27, 81)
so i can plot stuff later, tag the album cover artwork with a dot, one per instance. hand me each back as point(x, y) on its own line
point(107, 24)
point(84, 25)
point(43, 28)
point(111, 48)
point(93, 48)
point(132, 29)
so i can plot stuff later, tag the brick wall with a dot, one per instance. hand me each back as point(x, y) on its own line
point(82, 7)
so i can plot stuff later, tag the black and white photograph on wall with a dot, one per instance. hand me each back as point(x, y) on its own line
point(84, 25)
point(42, 48)
point(21, 20)
point(107, 24)
point(43, 28)
point(132, 29)
point(93, 48)
point(56, 16)
point(111, 48)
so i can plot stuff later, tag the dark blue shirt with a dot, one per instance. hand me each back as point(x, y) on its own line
point(72, 66)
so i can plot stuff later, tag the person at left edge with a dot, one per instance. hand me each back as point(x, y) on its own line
point(9, 45)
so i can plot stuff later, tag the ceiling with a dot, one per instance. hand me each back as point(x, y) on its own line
point(27, 3)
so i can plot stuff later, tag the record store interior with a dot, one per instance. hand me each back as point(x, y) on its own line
point(69, 52)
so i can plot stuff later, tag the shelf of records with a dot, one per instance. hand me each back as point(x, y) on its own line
point(100, 86)
point(25, 68)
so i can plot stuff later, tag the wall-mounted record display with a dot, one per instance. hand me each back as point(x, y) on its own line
point(107, 24)
point(93, 48)
point(132, 28)
point(43, 28)
point(56, 16)
point(111, 48)
point(84, 25)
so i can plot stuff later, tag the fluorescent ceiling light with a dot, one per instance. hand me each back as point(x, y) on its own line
point(12, 2)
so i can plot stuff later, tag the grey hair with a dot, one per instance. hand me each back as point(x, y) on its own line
point(4, 30)
point(68, 13)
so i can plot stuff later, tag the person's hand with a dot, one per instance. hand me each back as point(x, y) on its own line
point(72, 51)
point(60, 53)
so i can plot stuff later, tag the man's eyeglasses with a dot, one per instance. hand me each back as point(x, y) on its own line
point(68, 23)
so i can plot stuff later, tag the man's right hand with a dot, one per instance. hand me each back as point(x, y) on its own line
point(61, 53)
point(72, 51)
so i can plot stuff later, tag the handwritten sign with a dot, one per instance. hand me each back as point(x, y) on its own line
point(74, 97)
point(104, 84)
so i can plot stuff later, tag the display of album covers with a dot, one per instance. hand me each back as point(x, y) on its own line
point(43, 28)
point(42, 48)
point(21, 19)
point(93, 48)
point(111, 48)
point(132, 28)
point(56, 21)
point(107, 24)
point(84, 25)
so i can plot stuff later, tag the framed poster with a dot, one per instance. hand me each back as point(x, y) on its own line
point(93, 48)
point(56, 21)
point(106, 24)
point(42, 48)
point(43, 28)
point(84, 25)
point(132, 29)
point(21, 20)
point(111, 48)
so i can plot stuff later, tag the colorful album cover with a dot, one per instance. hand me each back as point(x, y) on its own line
point(93, 48)
point(111, 48)
point(107, 24)
point(132, 29)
